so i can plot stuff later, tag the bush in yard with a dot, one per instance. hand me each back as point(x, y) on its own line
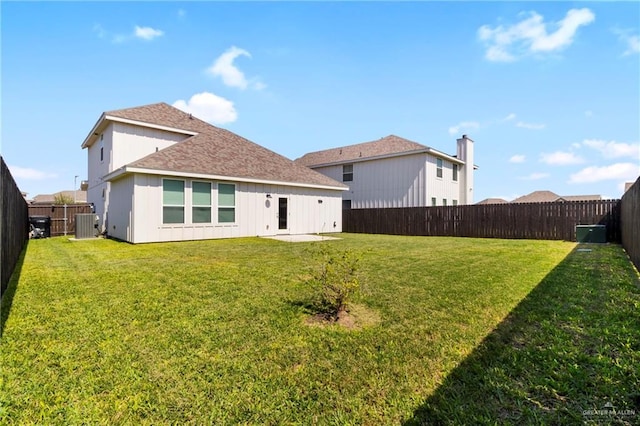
point(335, 280)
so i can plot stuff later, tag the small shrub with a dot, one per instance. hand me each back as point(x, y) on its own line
point(336, 280)
point(61, 199)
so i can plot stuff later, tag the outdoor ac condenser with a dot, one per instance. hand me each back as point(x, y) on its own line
point(85, 225)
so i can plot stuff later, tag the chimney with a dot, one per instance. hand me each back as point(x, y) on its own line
point(465, 153)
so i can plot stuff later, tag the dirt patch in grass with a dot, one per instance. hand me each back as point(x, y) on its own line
point(355, 317)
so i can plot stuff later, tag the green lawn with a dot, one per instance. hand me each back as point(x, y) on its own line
point(214, 332)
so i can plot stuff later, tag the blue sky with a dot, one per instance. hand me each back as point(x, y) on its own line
point(549, 91)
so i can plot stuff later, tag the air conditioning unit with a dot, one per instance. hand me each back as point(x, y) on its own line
point(86, 225)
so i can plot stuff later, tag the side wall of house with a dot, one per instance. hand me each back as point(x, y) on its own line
point(120, 224)
point(257, 209)
point(404, 181)
point(121, 144)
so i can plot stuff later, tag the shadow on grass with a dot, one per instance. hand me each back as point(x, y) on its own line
point(567, 354)
point(9, 293)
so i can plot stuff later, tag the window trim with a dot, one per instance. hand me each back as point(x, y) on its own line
point(434, 202)
point(194, 205)
point(439, 166)
point(219, 206)
point(164, 222)
point(347, 172)
point(455, 172)
point(102, 148)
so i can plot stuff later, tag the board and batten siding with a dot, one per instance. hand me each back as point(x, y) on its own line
point(402, 181)
point(122, 144)
point(256, 215)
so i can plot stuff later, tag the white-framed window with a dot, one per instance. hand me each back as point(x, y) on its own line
point(439, 167)
point(200, 202)
point(433, 201)
point(226, 203)
point(444, 201)
point(455, 202)
point(455, 172)
point(347, 173)
point(172, 201)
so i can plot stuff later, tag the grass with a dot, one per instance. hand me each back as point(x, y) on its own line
point(467, 330)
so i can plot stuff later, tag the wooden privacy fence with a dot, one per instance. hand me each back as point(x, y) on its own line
point(630, 222)
point(59, 217)
point(543, 221)
point(13, 225)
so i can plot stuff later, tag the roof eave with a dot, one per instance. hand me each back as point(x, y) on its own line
point(105, 118)
point(116, 174)
point(392, 155)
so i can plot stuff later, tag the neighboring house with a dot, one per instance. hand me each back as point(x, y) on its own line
point(396, 172)
point(78, 197)
point(548, 197)
point(159, 174)
point(492, 201)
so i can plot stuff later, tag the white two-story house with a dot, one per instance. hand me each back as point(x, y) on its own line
point(396, 172)
point(156, 173)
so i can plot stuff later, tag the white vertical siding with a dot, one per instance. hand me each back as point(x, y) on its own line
point(256, 215)
point(403, 181)
point(131, 142)
point(120, 214)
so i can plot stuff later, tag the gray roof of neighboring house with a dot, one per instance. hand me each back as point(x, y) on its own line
point(493, 201)
point(389, 145)
point(216, 151)
point(548, 196)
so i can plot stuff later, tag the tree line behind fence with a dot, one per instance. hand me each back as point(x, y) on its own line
point(544, 221)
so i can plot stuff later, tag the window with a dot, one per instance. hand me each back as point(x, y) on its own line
point(433, 201)
point(346, 204)
point(444, 201)
point(455, 172)
point(347, 173)
point(455, 202)
point(101, 148)
point(172, 201)
point(226, 203)
point(439, 167)
point(201, 202)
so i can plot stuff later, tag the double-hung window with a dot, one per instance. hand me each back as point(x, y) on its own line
point(172, 201)
point(226, 203)
point(455, 172)
point(201, 202)
point(439, 167)
point(347, 173)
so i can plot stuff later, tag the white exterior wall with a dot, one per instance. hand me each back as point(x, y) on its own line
point(256, 215)
point(130, 143)
point(122, 143)
point(403, 181)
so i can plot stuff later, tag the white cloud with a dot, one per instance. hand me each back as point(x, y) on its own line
point(453, 130)
point(29, 174)
point(223, 67)
point(620, 171)
point(530, 126)
point(560, 158)
point(632, 41)
point(147, 33)
point(182, 13)
point(509, 117)
point(613, 149)
point(209, 107)
point(99, 30)
point(535, 176)
point(517, 159)
point(531, 36)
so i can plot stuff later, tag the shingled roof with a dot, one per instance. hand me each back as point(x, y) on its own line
point(548, 196)
point(389, 145)
point(213, 151)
